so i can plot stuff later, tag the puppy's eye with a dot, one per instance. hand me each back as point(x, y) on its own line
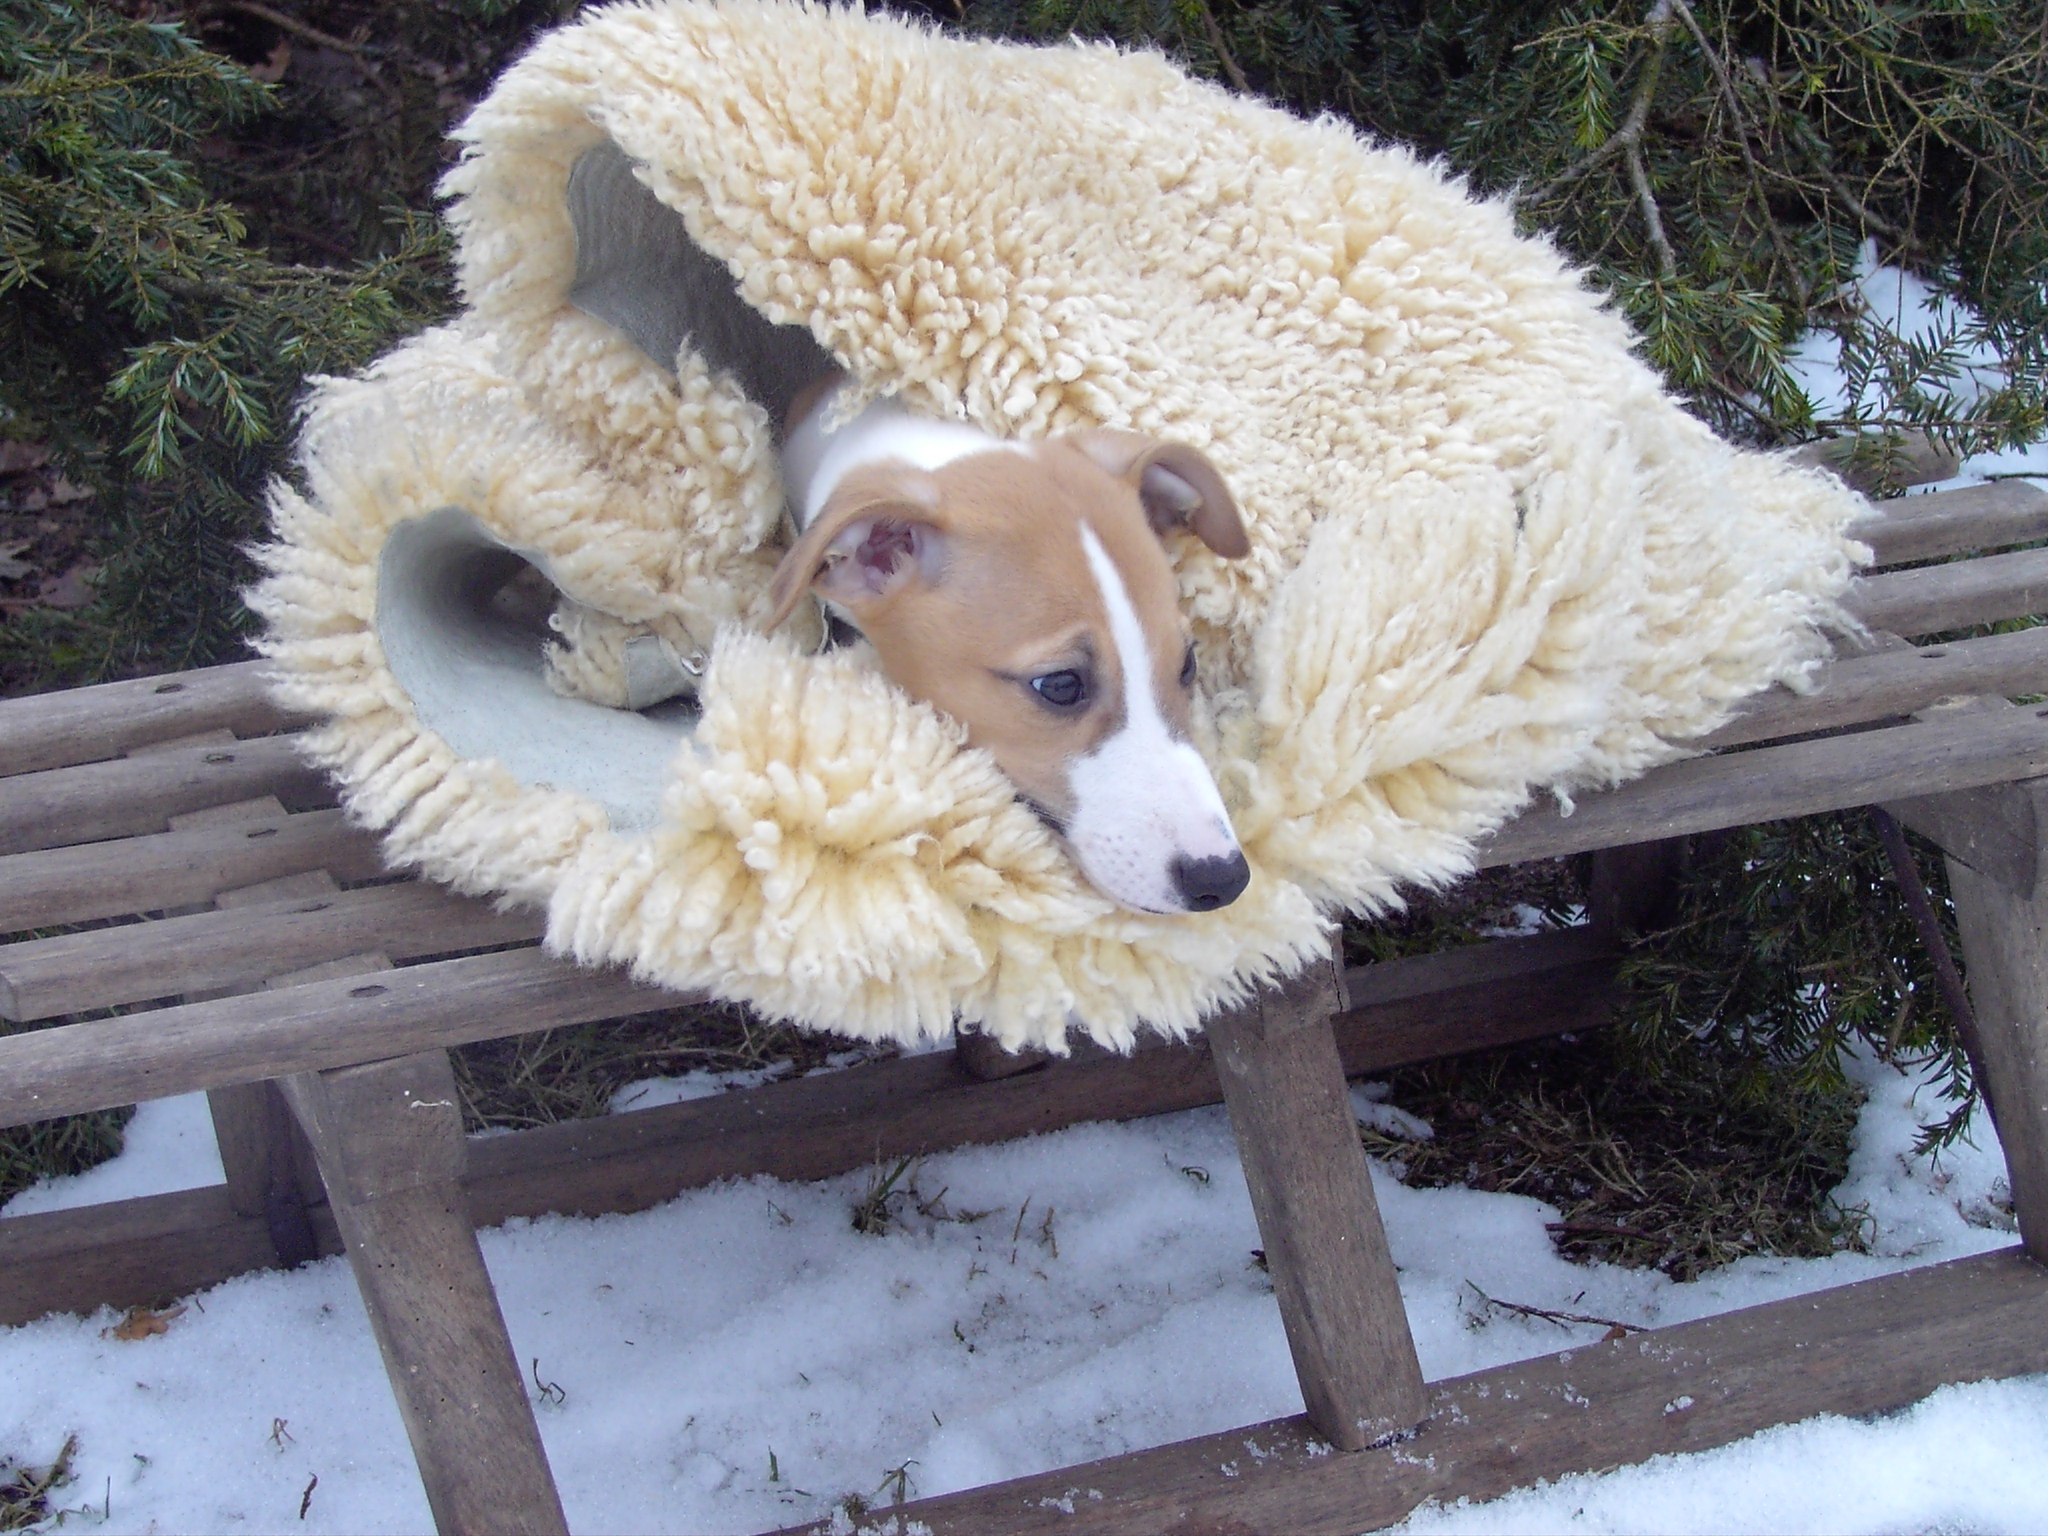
point(1187, 667)
point(1066, 689)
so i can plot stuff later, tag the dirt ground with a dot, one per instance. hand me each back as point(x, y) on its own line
point(47, 529)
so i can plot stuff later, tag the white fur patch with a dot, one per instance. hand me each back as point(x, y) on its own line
point(1143, 798)
point(819, 454)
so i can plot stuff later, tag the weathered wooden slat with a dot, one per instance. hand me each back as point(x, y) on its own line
point(1326, 1250)
point(76, 1067)
point(132, 1252)
point(813, 1128)
point(135, 1251)
point(1993, 516)
point(85, 725)
point(1860, 689)
point(264, 1156)
point(1936, 598)
point(1633, 889)
point(2005, 948)
point(388, 1135)
point(1401, 1012)
point(1797, 779)
point(53, 886)
point(41, 978)
point(1858, 1349)
point(1991, 829)
point(135, 795)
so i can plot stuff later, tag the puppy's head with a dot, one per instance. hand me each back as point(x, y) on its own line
point(1025, 590)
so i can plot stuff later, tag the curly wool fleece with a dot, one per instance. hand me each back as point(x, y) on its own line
point(1489, 553)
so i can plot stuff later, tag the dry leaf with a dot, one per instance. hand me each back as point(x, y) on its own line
point(272, 69)
point(141, 1323)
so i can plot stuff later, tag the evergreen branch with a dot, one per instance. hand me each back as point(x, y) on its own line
point(1663, 14)
point(1223, 55)
point(1653, 221)
point(285, 22)
point(1921, 910)
point(1740, 119)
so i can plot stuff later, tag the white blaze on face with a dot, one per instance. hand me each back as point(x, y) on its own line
point(1143, 799)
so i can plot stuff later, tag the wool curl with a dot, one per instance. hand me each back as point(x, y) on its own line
point(1490, 554)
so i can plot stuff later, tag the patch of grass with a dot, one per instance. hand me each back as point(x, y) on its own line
point(49, 1148)
point(25, 1491)
point(874, 1213)
point(1670, 1170)
point(893, 1192)
point(573, 1072)
point(1546, 893)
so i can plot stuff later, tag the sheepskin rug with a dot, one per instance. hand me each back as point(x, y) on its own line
point(1490, 555)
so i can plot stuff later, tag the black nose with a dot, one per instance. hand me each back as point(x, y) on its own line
point(1206, 884)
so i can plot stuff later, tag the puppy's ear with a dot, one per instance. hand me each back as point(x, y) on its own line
point(1178, 487)
point(875, 536)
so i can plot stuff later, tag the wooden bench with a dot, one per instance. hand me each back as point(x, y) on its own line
point(249, 943)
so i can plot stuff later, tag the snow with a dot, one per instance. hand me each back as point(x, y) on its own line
point(741, 1358)
point(1907, 306)
point(167, 1146)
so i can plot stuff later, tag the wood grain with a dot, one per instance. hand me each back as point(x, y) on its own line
point(2005, 951)
point(1796, 779)
point(1326, 1250)
point(75, 1067)
point(1858, 1349)
point(140, 794)
point(41, 978)
point(814, 1128)
point(388, 1135)
point(1910, 458)
point(1935, 598)
point(1985, 517)
point(129, 1253)
point(84, 725)
point(1990, 829)
point(55, 886)
point(1858, 690)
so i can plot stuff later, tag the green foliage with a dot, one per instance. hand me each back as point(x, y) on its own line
point(1718, 167)
point(1790, 943)
point(52, 1148)
point(154, 349)
point(1663, 1160)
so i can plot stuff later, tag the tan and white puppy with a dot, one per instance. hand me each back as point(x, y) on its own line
point(1024, 589)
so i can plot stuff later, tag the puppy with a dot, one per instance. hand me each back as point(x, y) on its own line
point(1025, 590)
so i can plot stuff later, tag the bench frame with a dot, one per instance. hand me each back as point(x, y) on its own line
point(318, 1010)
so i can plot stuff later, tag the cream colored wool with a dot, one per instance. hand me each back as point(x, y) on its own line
point(1489, 554)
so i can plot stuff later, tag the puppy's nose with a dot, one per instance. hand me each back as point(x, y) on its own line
point(1206, 884)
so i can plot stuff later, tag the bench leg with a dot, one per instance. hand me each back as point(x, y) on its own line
point(388, 1137)
point(1325, 1248)
point(2002, 910)
point(261, 1156)
point(1634, 889)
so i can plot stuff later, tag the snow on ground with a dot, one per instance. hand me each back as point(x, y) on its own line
point(740, 1358)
